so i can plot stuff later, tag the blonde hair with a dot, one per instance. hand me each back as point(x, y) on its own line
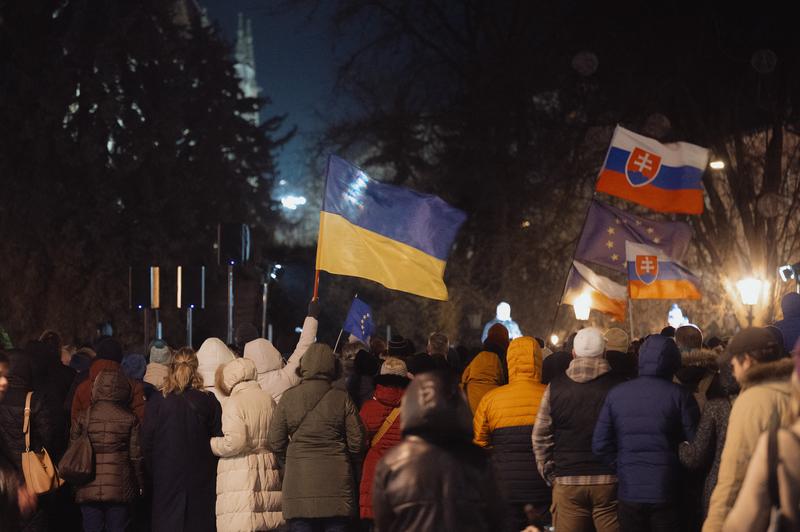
point(182, 372)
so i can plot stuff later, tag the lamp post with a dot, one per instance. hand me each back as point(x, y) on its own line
point(582, 306)
point(750, 290)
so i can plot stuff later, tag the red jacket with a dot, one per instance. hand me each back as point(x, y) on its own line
point(83, 395)
point(388, 393)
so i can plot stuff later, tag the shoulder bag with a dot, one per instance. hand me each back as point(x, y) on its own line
point(77, 464)
point(41, 475)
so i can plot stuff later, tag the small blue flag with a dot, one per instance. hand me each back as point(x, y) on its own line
point(359, 320)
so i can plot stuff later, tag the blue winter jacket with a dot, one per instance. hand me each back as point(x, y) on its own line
point(790, 324)
point(641, 424)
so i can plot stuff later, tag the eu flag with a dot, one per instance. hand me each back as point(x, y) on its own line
point(359, 320)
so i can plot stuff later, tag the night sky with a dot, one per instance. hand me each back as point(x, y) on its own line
point(295, 68)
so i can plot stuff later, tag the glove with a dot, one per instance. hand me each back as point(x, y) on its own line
point(314, 308)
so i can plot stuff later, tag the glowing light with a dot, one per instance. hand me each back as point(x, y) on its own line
point(750, 290)
point(503, 311)
point(675, 317)
point(717, 165)
point(554, 339)
point(582, 306)
point(356, 189)
point(292, 202)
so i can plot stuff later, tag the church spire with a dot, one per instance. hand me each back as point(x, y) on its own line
point(246, 62)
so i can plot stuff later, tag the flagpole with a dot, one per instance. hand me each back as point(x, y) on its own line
point(337, 340)
point(316, 286)
point(574, 251)
point(630, 315)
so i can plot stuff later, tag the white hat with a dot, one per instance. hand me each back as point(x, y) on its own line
point(589, 342)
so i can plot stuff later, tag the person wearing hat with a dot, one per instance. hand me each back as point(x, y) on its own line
point(436, 478)
point(381, 417)
point(640, 426)
point(109, 357)
point(399, 347)
point(158, 368)
point(503, 424)
point(763, 374)
point(753, 505)
point(621, 362)
point(584, 489)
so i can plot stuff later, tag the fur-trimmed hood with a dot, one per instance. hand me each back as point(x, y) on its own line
point(702, 357)
point(778, 370)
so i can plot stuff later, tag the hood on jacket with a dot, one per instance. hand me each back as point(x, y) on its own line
point(777, 370)
point(790, 305)
point(263, 354)
point(211, 355)
point(701, 357)
point(318, 363)
point(434, 406)
point(233, 373)
point(389, 395)
point(101, 364)
point(524, 358)
point(659, 356)
point(111, 385)
point(486, 367)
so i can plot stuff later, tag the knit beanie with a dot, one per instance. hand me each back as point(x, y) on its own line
point(394, 366)
point(400, 347)
point(497, 335)
point(160, 353)
point(616, 340)
point(109, 349)
point(134, 366)
point(589, 342)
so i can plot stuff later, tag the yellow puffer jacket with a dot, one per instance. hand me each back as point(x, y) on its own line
point(481, 376)
point(504, 422)
point(517, 403)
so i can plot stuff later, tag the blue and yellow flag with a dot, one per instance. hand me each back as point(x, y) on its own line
point(388, 234)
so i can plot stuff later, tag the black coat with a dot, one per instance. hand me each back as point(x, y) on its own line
point(176, 445)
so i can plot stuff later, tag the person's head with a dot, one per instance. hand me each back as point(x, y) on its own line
point(589, 342)
point(668, 331)
point(377, 346)
point(160, 352)
point(497, 337)
point(134, 366)
point(790, 305)
point(438, 344)
point(750, 347)
point(617, 340)
point(51, 338)
point(434, 407)
point(234, 372)
point(688, 337)
point(420, 363)
point(366, 364)
point(796, 383)
point(319, 363)
point(108, 348)
point(183, 373)
point(659, 357)
point(348, 354)
point(3, 375)
point(400, 347)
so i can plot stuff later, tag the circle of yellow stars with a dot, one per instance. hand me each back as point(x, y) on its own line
point(612, 231)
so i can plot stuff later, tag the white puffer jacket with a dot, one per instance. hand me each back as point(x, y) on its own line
point(248, 481)
point(211, 355)
point(273, 376)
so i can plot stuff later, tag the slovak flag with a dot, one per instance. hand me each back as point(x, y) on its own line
point(662, 177)
point(653, 275)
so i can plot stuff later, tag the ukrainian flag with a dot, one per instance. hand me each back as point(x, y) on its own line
point(388, 234)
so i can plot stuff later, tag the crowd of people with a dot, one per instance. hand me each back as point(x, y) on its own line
point(674, 431)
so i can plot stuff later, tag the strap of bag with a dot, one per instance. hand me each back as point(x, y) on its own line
point(311, 410)
point(26, 423)
point(772, 468)
point(385, 427)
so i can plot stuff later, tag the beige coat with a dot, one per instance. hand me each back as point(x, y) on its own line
point(248, 480)
point(763, 403)
point(273, 376)
point(752, 509)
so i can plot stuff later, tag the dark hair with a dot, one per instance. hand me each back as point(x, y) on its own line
point(668, 331)
point(689, 337)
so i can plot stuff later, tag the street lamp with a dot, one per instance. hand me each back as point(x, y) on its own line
point(554, 340)
point(750, 290)
point(582, 306)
